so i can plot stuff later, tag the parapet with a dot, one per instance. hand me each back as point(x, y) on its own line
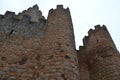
point(98, 38)
point(85, 40)
point(9, 14)
point(29, 23)
point(33, 12)
point(36, 7)
point(90, 31)
point(97, 29)
point(59, 9)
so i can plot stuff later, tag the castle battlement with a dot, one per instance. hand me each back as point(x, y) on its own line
point(97, 29)
point(59, 10)
point(35, 48)
point(33, 12)
point(9, 14)
point(59, 7)
point(85, 40)
point(96, 54)
point(97, 37)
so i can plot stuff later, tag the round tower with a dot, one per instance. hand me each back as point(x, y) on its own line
point(60, 46)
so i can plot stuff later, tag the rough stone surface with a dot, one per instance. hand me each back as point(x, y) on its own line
point(24, 26)
point(35, 48)
point(98, 58)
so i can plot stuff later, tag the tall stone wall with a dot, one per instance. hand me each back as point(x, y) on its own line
point(60, 46)
point(21, 53)
point(35, 48)
point(102, 57)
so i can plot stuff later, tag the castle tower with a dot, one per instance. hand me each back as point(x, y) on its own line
point(33, 48)
point(60, 46)
point(100, 56)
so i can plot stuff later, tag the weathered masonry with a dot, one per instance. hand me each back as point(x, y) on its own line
point(35, 48)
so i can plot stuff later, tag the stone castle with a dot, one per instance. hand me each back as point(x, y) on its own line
point(35, 48)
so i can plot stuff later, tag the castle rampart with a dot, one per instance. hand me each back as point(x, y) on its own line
point(35, 48)
point(100, 58)
point(26, 26)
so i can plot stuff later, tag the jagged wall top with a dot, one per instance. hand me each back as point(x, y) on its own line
point(97, 38)
point(28, 23)
point(33, 12)
point(59, 10)
point(93, 32)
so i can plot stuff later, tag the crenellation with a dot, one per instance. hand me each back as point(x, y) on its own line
point(85, 40)
point(59, 7)
point(36, 7)
point(51, 11)
point(35, 48)
point(99, 48)
point(9, 14)
point(33, 12)
point(90, 31)
point(97, 27)
point(29, 23)
point(67, 8)
point(1, 17)
point(60, 10)
point(81, 47)
point(104, 27)
point(100, 28)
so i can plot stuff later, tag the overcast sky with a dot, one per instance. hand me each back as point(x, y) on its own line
point(85, 14)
